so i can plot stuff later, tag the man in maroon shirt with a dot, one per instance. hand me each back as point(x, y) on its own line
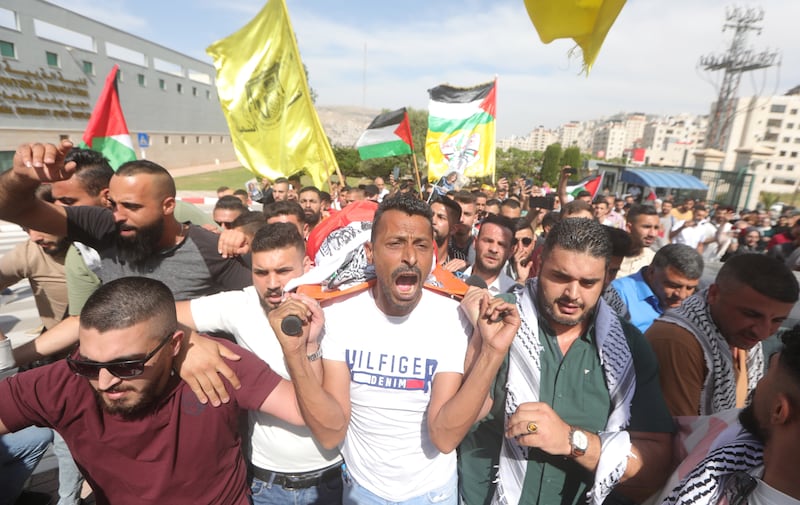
point(136, 430)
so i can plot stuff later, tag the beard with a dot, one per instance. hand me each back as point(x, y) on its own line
point(265, 304)
point(550, 310)
point(139, 247)
point(56, 248)
point(312, 218)
point(128, 411)
point(747, 418)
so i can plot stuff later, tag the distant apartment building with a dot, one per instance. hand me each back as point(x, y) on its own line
point(569, 134)
point(634, 129)
point(672, 140)
point(764, 139)
point(53, 65)
point(610, 140)
point(537, 140)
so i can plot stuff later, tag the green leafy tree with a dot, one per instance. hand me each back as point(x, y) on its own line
point(348, 160)
point(572, 157)
point(551, 167)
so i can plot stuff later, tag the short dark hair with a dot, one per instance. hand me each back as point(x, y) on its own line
point(278, 236)
point(574, 207)
point(222, 188)
point(789, 359)
point(579, 234)
point(768, 276)
point(284, 208)
point(249, 221)
point(137, 167)
point(493, 201)
point(92, 169)
point(403, 202)
point(324, 196)
point(229, 202)
point(280, 180)
point(511, 203)
point(464, 197)
point(551, 218)
point(522, 223)
point(312, 189)
point(620, 241)
point(640, 210)
point(241, 192)
point(498, 220)
point(681, 257)
point(452, 207)
point(128, 301)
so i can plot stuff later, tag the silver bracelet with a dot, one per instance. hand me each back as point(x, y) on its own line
point(317, 355)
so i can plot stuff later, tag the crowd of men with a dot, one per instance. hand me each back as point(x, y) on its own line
point(475, 345)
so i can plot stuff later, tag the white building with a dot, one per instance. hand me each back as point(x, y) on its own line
point(609, 140)
point(764, 139)
point(672, 140)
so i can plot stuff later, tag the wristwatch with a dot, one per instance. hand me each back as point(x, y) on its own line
point(578, 441)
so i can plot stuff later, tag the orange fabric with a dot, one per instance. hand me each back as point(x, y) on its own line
point(452, 286)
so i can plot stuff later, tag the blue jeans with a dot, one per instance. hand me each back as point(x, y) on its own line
point(20, 452)
point(326, 493)
point(70, 480)
point(354, 494)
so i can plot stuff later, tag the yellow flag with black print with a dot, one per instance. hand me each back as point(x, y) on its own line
point(265, 97)
point(461, 131)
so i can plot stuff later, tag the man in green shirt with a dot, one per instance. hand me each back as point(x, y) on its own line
point(577, 405)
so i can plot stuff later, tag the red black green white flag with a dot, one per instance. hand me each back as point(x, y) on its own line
point(389, 134)
point(591, 184)
point(107, 132)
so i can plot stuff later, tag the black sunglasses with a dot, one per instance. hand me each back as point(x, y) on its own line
point(526, 241)
point(225, 224)
point(122, 369)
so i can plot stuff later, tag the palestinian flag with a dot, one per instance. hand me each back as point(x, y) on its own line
point(107, 132)
point(389, 134)
point(591, 184)
point(461, 131)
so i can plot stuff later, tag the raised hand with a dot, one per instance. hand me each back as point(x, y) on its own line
point(43, 162)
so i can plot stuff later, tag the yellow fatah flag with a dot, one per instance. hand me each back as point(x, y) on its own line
point(265, 97)
point(587, 22)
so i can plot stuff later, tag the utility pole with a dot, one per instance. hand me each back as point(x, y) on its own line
point(738, 60)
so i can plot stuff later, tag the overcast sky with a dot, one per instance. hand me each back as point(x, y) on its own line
point(649, 62)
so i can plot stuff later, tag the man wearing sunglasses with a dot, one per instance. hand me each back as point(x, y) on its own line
point(136, 430)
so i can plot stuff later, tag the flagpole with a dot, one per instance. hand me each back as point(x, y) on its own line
point(416, 171)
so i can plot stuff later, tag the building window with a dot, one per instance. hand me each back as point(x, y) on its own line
point(166, 139)
point(52, 59)
point(210, 139)
point(790, 168)
point(778, 108)
point(769, 165)
point(793, 155)
point(789, 125)
point(88, 69)
point(208, 94)
point(771, 137)
point(179, 87)
point(197, 140)
point(162, 84)
point(194, 90)
point(141, 80)
point(785, 140)
point(793, 112)
point(774, 122)
point(222, 140)
point(778, 167)
point(183, 139)
point(120, 75)
point(7, 49)
point(782, 153)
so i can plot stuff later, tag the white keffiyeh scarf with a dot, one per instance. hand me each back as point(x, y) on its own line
point(524, 373)
point(719, 389)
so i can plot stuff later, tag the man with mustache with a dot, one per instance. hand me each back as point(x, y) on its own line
point(396, 393)
point(642, 222)
point(493, 247)
point(287, 464)
point(759, 464)
point(671, 278)
point(136, 430)
point(576, 405)
point(710, 352)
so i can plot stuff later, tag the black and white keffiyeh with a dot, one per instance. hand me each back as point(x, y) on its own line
point(524, 373)
point(719, 389)
point(705, 483)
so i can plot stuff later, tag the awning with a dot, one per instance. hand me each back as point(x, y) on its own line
point(662, 179)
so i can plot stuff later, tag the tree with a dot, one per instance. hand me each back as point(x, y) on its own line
point(572, 157)
point(347, 159)
point(551, 167)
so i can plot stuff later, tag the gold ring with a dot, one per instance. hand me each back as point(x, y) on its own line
point(532, 428)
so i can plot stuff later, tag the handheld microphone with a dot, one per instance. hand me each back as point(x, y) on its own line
point(292, 326)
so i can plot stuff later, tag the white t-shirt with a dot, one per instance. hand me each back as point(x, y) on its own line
point(277, 445)
point(393, 361)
